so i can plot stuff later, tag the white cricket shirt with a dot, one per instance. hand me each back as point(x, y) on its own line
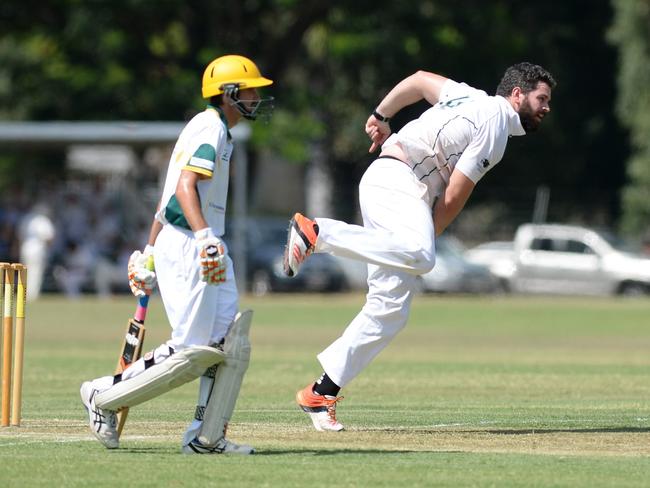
point(466, 130)
point(204, 147)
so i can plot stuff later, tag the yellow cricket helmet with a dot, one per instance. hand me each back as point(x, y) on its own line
point(231, 70)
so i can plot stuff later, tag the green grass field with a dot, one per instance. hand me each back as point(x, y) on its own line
point(504, 391)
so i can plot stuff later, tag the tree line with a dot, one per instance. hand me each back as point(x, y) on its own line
point(333, 61)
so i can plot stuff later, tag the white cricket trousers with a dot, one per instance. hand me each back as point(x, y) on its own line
point(398, 241)
point(199, 314)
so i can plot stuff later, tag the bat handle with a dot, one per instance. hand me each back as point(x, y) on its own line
point(143, 301)
point(141, 309)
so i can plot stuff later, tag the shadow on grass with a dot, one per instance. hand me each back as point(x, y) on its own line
point(283, 452)
point(157, 450)
point(528, 431)
point(595, 430)
point(338, 452)
point(162, 450)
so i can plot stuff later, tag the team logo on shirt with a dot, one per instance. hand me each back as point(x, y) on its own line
point(485, 163)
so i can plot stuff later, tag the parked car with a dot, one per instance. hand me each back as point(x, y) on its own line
point(453, 273)
point(498, 257)
point(566, 259)
point(265, 243)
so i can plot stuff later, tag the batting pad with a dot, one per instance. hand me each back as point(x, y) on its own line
point(228, 380)
point(178, 369)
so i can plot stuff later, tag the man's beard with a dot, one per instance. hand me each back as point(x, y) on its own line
point(529, 122)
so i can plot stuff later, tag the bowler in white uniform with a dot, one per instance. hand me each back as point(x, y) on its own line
point(409, 195)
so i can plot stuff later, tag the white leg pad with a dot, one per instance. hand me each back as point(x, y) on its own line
point(178, 369)
point(228, 380)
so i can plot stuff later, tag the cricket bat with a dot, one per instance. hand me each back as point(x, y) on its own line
point(132, 346)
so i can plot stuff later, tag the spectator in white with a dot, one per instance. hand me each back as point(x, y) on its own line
point(36, 232)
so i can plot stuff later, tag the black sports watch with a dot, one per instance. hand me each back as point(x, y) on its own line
point(379, 116)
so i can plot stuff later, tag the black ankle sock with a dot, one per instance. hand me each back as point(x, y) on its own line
point(325, 386)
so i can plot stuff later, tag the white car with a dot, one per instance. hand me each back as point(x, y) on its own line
point(498, 257)
point(566, 259)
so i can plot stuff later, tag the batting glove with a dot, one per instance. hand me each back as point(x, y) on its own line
point(142, 279)
point(212, 253)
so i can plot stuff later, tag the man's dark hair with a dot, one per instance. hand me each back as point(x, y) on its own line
point(524, 75)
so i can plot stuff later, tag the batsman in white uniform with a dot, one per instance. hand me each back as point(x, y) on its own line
point(409, 195)
point(194, 274)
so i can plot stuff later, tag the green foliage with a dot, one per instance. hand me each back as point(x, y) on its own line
point(289, 135)
point(96, 61)
point(635, 195)
point(331, 63)
point(630, 32)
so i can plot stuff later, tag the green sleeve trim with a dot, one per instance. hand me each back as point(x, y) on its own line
point(203, 160)
point(207, 152)
point(174, 214)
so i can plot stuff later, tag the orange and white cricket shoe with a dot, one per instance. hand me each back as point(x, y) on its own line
point(321, 409)
point(301, 239)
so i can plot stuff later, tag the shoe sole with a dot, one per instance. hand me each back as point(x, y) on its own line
point(85, 400)
point(293, 227)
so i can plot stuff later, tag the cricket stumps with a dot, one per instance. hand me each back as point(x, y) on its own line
point(13, 293)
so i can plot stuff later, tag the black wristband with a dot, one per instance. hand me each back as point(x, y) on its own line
point(379, 116)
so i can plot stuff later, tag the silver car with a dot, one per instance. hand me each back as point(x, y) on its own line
point(577, 260)
point(566, 259)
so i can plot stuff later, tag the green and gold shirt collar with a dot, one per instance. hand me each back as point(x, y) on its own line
point(222, 116)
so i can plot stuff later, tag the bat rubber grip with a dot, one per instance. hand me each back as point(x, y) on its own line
point(141, 309)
